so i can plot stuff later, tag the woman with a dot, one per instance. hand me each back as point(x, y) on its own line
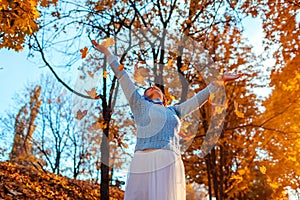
point(156, 170)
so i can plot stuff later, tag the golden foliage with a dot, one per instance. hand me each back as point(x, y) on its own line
point(22, 182)
point(18, 19)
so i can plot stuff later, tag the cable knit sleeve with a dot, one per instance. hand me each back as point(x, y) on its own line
point(195, 102)
point(126, 83)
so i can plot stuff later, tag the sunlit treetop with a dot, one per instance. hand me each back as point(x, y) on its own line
point(18, 19)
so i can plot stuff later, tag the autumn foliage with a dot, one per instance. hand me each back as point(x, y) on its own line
point(19, 19)
point(257, 153)
point(25, 182)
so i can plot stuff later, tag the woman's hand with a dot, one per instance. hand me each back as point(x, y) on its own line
point(101, 48)
point(230, 77)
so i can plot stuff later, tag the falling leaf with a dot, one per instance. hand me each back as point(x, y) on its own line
point(96, 126)
point(183, 68)
point(238, 113)
point(124, 145)
point(108, 42)
point(168, 95)
point(92, 93)
point(262, 169)
point(84, 52)
point(90, 74)
point(81, 114)
point(218, 109)
point(141, 74)
point(274, 185)
point(241, 172)
point(170, 63)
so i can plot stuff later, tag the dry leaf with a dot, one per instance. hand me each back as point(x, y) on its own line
point(183, 68)
point(238, 113)
point(90, 74)
point(84, 52)
point(92, 93)
point(81, 114)
point(141, 74)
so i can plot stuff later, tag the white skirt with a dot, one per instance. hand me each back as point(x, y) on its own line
point(156, 175)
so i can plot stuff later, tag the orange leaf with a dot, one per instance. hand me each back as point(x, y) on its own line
point(170, 63)
point(183, 68)
point(84, 52)
point(81, 114)
point(238, 113)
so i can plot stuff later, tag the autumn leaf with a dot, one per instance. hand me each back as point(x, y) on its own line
point(141, 74)
point(241, 172)
point(237, 112)
point(124, 145)
point(274, 185)
point(169, 95)
point(218, 109)
point(262, 169)
point(183, 68)
point(92, 93)
point(108, 42)
point(90, 74)
point(81, 114)
point(84, 52)
point(170, 63)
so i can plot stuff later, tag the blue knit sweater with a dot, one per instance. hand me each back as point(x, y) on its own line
point(157, 126)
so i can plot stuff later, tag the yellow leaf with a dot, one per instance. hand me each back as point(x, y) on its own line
point(263, 169)
point(218, 109)
point(238, 113)
point(108, 42)
point(241, 172)
point(170, 63)
point(274, 185)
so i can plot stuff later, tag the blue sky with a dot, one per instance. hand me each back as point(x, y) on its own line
point(16, 70)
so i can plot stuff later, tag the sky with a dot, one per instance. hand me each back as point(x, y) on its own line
point(16, 70)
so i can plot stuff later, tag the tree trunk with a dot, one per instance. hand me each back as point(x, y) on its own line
point(24, 128)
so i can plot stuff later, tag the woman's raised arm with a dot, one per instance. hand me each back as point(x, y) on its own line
point(127, 85)
point(201, 97)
